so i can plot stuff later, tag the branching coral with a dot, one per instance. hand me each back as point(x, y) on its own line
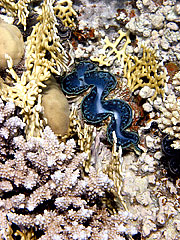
point(45, 187)
point(112, 51)
point(145, 71)
point(20, 9)
point(45, 55)
point(64, 10)
point(168, 121)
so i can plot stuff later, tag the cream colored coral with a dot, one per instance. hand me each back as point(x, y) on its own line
point(169, 119)
point(108, 56)
point(176, 81)
point(11, 43)
point(145, 71)
point(18, 9)
point(64, 10)
point(26, 91)
point(56, 108)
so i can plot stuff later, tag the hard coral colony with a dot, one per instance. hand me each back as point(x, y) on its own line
point(59, 176)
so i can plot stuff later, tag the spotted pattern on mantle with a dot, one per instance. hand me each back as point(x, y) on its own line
point(94, 106)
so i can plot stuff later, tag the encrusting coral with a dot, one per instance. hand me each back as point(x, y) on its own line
point(11, 43)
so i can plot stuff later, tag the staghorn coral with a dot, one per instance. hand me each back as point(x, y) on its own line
point(11, 43)
point(47, 189)
point(45, 55)
point(145, 71)
point(108, 56)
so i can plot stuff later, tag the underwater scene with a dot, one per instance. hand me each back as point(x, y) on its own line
point(89, 120)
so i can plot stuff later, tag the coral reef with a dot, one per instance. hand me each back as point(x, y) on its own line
point(168, 121)
point(94, 106)
point(37, 175)
point(64, 10)
point(78, 186)
point(45, 55)
point(18, 8)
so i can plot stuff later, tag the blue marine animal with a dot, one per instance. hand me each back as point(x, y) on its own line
point(172, 156)
point(95, 108)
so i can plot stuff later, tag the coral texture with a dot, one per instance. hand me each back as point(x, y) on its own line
point(113, 50)
point(45, 55)
point(56, 108)
point(11, 43)
point(145, 72)
point(18, 8)
point(49, 190)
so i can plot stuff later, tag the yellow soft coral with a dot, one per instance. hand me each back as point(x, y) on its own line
point(145, 72)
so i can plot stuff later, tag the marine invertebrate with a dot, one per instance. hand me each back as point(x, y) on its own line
point(171, 156)
point(17, 8)
point(45, 55)
point(109, 56)
point(64, 10)
point(56, 108)
point(168, 121)
point(145, 71)
point(42, 185)
point(94, 106)
point(11, 43)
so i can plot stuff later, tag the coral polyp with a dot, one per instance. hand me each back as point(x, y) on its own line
point(95, 108)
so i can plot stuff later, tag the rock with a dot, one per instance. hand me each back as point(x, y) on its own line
point(157, 21)
point(146, 92)
point(172, 26)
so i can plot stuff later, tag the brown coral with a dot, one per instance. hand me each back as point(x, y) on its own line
point(11, 43)
point(56, 108)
